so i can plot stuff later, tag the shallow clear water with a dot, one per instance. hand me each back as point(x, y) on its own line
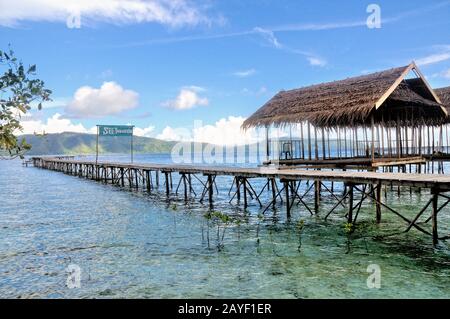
point(134, 244)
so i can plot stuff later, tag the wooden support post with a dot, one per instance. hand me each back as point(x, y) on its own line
point(190, 183)
point(309, 141)
point(373, 139)
point(328, 143)
point(316, 144)
point(316, 196)
point(130, 177)
point(157, 178)
point(210, 190)
point(274, 194)
point(345, 141)
point(147, 177)
point(406, 141)
point(339, 150)
point(244, 182)
point(185, 186)
point(238, 189)
point(288, 203)
point(433, 139)
point(350, 209)
point(167, 183)
point(399, 139)
point(323, 143)
point(136, 178)
point(378, 201)
point(303, 142)
point(419, 142)
point(435, 194)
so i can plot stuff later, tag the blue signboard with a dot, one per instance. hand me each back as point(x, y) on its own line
point(115, 130)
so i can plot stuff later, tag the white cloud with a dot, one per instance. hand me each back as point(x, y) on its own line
point(444, 74)
point(268, 32)
point(226, 131)
point(269, 36)
point(54, 124)
point(54, 103)
point(188, 98)
point(58, 124)
point(195, 88)
point(173, 13)
point(109, 99)
point(174, 134)
point(316, 61)
point(244, 73)
point(433, 58)
point(261, 91)
point(147, 131)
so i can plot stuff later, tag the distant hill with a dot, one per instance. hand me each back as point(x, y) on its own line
point(78, 143)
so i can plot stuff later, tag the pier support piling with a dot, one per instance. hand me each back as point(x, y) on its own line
point(210, 191)
point(288, 202)
point(350, 203)
point(166, 175)
point(435, 195)
point(377, 203)
point(317, 187)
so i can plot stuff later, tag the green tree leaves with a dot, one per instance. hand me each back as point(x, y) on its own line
point(18, 89)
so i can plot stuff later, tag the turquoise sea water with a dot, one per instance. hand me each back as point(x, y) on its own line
point(133, 244)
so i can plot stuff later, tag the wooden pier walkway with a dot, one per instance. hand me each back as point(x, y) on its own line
point(368, 184)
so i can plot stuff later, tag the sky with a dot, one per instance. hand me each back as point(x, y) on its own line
point(183, 70)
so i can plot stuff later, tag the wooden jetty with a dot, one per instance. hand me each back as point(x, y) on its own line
point(368, 185)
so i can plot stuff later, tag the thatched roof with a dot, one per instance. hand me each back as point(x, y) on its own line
point(444, 95)
point(351, 101)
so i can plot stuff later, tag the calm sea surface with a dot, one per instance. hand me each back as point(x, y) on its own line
point(133, 244)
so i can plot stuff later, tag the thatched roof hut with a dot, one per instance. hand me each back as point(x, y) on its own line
point(387, 97)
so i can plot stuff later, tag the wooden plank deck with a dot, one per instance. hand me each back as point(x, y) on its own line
point(439, 181)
